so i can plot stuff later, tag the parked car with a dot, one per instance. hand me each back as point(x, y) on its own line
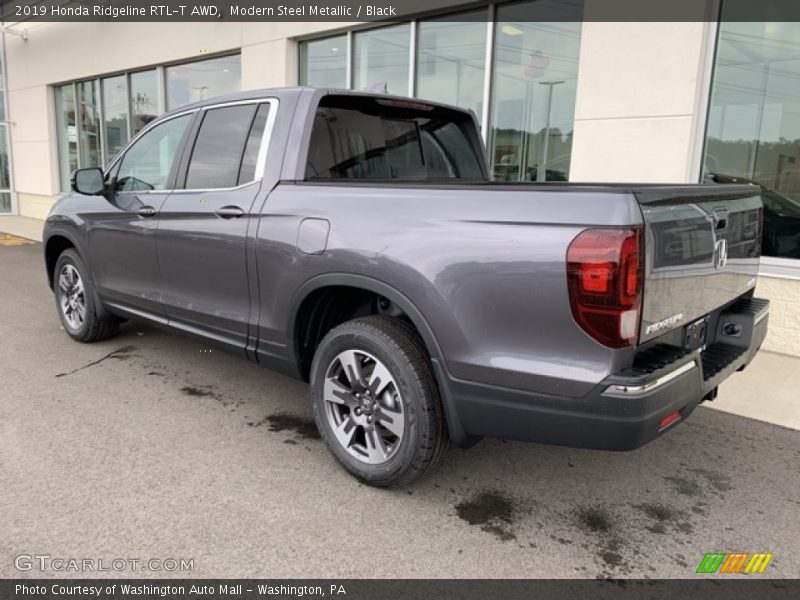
point(355, 241)
point(781, 219)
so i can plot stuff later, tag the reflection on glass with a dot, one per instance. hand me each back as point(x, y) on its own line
point(382, 56)
point(115, 115)
point(5, 202)
point(534, 87)
point(147, 164)
point(89, 124)
point(324, 62)
point(5, 180)
point(67, 133)
point(144, 99)
point(203, 79)
point(217, 152)
point(753, 130)
point(451, 60)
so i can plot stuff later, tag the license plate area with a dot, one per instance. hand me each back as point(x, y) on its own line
point(694, 335)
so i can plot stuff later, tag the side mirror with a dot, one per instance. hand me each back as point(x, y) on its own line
point(88, 181)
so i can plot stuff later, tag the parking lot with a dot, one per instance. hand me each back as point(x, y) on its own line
point(150, 446)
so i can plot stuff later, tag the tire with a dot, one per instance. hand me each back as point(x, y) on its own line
point(79, 308)
point(406, 412)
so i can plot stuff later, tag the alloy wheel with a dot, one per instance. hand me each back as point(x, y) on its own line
point(363, 406)
point(71, 296)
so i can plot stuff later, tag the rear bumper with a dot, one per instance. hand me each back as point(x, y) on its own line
point(624, 411)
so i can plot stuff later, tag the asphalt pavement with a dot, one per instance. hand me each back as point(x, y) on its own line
point(148, 446)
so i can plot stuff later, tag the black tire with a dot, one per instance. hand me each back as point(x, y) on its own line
point(97, 323)
point(399, 348)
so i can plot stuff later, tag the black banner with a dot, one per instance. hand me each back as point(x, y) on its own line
point(396, 10)
point(731, 588)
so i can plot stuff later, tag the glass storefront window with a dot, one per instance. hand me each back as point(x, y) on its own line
point(144, 99)
point(382, 56)
point(127, 103)
point(203, 79)
point(324, 62)
point(753, 131)
point(67, 132)
point(451, 61)
point(88, 125)
point(534, 87)
point(5, 171)
point(115, 114)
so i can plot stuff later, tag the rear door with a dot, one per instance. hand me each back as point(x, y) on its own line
point(203, 225)
point(703, 247)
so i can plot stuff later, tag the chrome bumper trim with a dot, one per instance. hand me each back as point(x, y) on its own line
point(638, 390)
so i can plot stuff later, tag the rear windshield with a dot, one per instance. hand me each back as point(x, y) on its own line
point(375, 138)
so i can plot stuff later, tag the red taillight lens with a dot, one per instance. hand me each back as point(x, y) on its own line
point(604, 276)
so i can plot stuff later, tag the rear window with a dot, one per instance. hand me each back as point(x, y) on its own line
point(375, 138)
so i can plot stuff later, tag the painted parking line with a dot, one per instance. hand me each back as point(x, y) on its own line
point(6, 239)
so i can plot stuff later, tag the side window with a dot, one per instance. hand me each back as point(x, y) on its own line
point(226, 149)
point(147, 164)
point(250, 158)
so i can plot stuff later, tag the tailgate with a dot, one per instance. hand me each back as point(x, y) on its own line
point(702, 250)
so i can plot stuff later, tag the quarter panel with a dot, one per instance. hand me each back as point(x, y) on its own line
point(484, 265)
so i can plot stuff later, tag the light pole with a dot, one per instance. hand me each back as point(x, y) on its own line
point(541, 171)
point(201, 89)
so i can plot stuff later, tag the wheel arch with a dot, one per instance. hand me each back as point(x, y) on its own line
point(366, 284)
point(56, 243)
point(380, 288)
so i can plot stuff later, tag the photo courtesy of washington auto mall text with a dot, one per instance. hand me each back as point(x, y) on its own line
point(387, 300)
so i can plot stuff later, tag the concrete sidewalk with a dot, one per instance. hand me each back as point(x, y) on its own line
point(25, 227)
point(768, 390)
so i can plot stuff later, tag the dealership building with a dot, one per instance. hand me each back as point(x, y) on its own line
point(559, 95)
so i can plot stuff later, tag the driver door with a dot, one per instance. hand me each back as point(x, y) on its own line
point(122, 238)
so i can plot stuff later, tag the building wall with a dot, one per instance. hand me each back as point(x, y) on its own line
point(636, 113)
point(639, 114)
point(784, 326)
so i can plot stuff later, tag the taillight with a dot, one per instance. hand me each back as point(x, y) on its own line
point(604, 277)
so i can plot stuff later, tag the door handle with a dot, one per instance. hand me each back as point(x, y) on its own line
point(146, 211)
point(229, 212)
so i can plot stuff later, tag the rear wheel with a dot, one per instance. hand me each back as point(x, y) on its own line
point(79, 309)
point(376, 403)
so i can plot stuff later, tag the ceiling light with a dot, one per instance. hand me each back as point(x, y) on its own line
point(511, 30)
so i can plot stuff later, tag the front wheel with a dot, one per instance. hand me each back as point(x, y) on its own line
point(79, 309)
point(376, 403)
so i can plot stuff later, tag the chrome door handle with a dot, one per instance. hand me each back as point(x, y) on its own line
point(146, 211)
point(229, 212)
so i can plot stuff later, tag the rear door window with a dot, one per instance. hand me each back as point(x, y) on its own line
point(226, 148)
point(373, 138)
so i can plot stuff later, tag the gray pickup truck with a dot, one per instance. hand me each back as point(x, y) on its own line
point(356, 241)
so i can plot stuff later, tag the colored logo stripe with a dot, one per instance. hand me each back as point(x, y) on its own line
point(758, 562)
point(734, 562)
point(711, 562)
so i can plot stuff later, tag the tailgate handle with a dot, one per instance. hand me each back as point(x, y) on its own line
point(720, 218)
